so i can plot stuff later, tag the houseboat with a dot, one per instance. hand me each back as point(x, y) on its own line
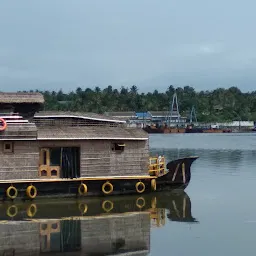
point(54, 154)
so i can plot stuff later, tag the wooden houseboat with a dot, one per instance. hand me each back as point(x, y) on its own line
point(77, 154)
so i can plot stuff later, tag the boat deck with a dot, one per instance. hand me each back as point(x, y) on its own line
point(79, 179)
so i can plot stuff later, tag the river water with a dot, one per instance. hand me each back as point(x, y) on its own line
point(222, 195)
point(216, 215)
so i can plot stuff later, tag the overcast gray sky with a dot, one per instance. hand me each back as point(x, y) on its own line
point(53, 44)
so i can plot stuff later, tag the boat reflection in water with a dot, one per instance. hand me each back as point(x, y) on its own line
point(98, 226)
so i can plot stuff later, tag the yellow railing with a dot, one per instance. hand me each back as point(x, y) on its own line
point(156, 166)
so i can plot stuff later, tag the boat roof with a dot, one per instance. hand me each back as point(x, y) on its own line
point(21, 97)
point(163, 113)
point(81, 115)
point(143, 115)
point(90, 133)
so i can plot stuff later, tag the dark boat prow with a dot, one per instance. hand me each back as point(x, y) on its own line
point(178, 174)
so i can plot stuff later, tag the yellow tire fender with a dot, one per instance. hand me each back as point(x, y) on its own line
point(107, 184)
point(12, 192)
point(31, 191)
point(138, 184)
point(82, 189)
point(153, 184)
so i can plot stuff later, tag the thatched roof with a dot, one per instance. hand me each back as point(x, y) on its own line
point(21, 97)
point(91, 133)
point(82, 115)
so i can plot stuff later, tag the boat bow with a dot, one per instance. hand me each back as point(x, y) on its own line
point(178, 173)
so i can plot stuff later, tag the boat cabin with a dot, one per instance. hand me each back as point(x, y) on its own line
point(37, 144)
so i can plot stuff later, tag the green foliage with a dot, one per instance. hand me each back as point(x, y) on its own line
point(217, 105)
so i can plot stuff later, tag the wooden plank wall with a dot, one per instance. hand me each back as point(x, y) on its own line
point(98, 159)
point(22, 163)
point(132, 229)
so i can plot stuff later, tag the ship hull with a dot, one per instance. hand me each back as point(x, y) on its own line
point(213, 131)
point(201, 130)
point(164, 130)
point(194, 130)
point(178, 176)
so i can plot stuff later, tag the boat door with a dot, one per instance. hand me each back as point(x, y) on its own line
point(70, 162)
point(59, 162)
point(46, 168)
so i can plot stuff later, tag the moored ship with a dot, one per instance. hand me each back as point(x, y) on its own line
point(163, 129)
point(56, 154)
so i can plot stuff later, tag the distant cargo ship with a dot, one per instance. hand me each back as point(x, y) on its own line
point(174, 117)
point(188, 129)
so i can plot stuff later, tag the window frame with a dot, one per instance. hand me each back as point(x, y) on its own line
point(9, 150)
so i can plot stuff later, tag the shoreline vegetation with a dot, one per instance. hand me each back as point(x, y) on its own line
point(219, 105)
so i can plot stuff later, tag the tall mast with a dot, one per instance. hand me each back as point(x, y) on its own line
point(174, 108)
point(191, 114)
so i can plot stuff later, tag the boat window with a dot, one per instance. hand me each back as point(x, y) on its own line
point(8, 147)
point(43, 173)
point(54, 172)
point(55, 156)
point(118, 147)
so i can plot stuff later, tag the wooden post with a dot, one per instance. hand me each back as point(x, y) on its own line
point(175, 173)
point(183, 173)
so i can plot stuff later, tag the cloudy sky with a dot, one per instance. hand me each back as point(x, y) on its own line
point(54, 44)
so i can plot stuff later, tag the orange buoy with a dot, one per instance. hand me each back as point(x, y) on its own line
point(4, 124)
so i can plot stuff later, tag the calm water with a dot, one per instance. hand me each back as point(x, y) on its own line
point(222, 194)
point(215, 216)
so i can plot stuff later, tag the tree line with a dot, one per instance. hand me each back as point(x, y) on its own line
point(211, 106)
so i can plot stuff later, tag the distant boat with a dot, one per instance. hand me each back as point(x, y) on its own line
point(198, 129)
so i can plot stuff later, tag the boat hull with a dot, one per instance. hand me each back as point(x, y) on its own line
point(194, 130)
point(178, 176)
point(201, 130)
point(164, 130)
point(212, 131)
